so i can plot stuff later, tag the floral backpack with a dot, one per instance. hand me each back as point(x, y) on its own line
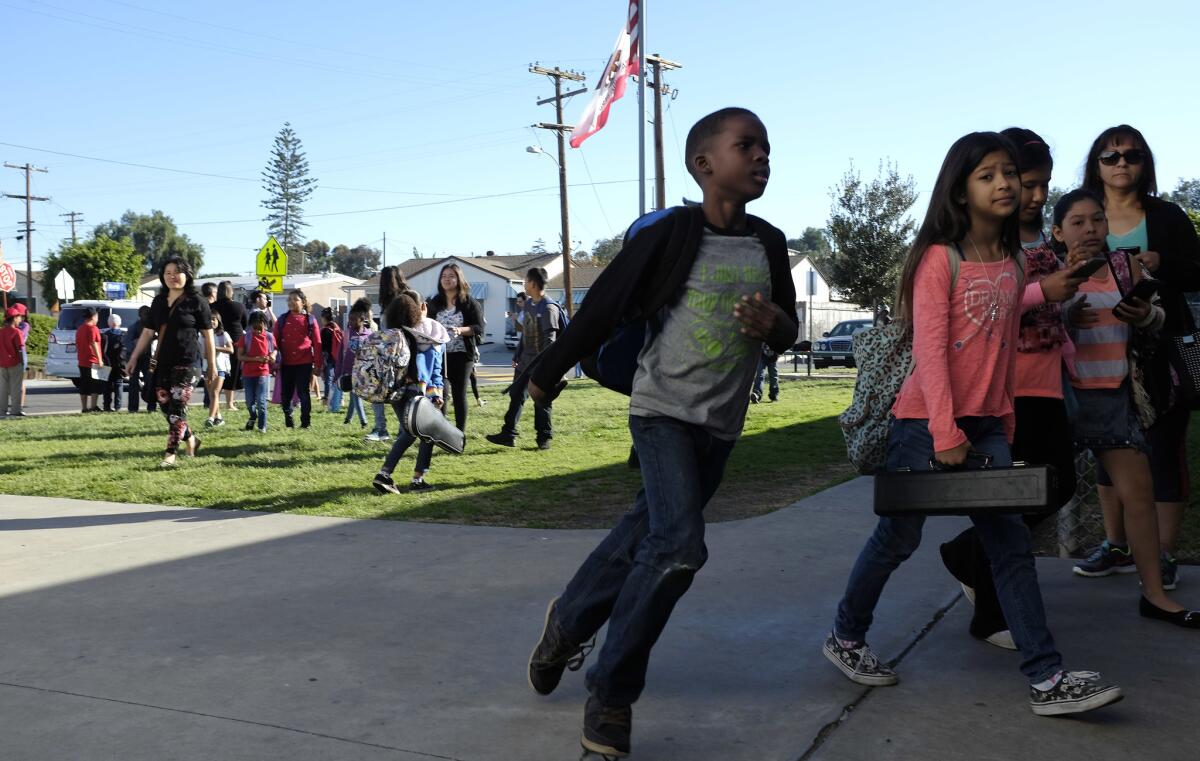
point(380, 366)
point(883, 355)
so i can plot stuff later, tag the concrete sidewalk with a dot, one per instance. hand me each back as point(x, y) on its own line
point(149, 633)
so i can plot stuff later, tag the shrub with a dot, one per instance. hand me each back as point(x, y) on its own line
point(39, 334)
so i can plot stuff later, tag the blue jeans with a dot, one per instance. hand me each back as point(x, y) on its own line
point(403, 441)
point(256, 398)
point(639, 571)
point(770, 366)
point(1005, 539)
point(380, 413)
point(333, 392)
point(354, 406)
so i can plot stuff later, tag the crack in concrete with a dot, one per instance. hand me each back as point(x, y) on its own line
point(201, 714)
point(826, 731)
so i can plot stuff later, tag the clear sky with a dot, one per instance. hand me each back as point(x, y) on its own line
point(406, 104)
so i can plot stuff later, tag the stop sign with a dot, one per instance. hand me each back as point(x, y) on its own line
point(8, 277)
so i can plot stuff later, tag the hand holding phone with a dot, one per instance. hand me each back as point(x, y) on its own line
point(1089, 268)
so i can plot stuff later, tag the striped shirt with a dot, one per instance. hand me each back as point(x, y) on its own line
point(1100, 358)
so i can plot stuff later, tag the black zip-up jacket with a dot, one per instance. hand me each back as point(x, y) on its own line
point(1169, 232)
point(649, 273)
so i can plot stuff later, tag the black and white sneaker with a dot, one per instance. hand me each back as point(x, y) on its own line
point(421, 485)
point(859, 664)
point(606, 729)
point(553, 654)
point(1076, 692)
point(384, 484)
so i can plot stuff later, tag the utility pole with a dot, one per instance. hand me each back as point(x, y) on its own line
point(560, 129)
point(384, 250)
point(660, 65)
point(28, 198)
point(73, 217)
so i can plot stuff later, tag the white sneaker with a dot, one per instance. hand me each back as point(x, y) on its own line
point(373, 436)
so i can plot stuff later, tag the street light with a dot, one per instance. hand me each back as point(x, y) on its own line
point(536, 149)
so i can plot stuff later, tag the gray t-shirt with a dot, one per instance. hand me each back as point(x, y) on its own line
point(697, 365)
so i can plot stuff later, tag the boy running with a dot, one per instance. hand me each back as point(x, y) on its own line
point(712, 284)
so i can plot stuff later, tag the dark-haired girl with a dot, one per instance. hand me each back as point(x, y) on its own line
point(181, 319)
point(1110, 383)
point(391, 284)
point(1043, 432)
point(958, 402)
point(1120, 170)
point(404, 312)
point(462, 317)
point(299, 342)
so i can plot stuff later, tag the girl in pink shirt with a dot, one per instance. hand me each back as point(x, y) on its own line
point(956, 408)
point(1043, 431)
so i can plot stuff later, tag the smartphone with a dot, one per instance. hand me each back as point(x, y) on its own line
point(1090, 267)
point(1145, 288)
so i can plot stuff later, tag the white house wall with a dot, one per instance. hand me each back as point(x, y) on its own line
point(498, 299)
point(820, 312)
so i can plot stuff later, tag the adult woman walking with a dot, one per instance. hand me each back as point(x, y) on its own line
point(299, 342)
point(181, 319)
point(462, 317)
point(1120, 169)
point(235, 320)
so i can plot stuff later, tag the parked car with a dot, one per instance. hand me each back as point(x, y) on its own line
point(61, 359)
point(837, 346)
point(511, 339)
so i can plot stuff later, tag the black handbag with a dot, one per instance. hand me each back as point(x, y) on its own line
point(1183, 352)
point(1019, 489)
point(346, 383)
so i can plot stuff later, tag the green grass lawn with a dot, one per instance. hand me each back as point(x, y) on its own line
point(790, 449)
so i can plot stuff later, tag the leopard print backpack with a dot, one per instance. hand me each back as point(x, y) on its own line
point(884, 358)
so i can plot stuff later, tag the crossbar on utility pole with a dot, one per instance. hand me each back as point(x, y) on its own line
point(73, 217)
point(28, 198)
point(558, 75)
point(659, 64)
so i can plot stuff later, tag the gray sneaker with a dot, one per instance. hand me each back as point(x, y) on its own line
point(1076, 692)
point(1170, 572)
point(859, 664)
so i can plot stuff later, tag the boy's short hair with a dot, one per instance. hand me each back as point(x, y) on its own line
point(703, 131)
point(89, 313)
point(258, 317)
point(143, 312)
point(537, 276)
point(208, 289)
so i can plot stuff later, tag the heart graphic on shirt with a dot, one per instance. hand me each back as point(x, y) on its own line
point(989, 302)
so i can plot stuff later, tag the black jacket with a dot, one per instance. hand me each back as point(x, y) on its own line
point(1170, 232)
point(648, 274)
point(233, 317)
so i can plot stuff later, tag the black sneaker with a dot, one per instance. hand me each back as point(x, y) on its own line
point(250, 424)
point(1106, 560)
point(606, 729)
point(553, 654)
point(218, 422)
point(1076, 692)
point(859, 664)
point(755, 398)
point(421, 485)
point(1170, 572)
point(288, 422)
point(384, 484)
point(501, 439)
point(543, 444)
point(305, 423)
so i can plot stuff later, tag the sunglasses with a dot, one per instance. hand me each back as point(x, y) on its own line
point(1133, 157)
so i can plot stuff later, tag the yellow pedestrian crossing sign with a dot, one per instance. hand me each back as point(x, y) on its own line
point(270, 284)
point(272, 260)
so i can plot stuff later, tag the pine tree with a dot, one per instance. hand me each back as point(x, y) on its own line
point(288, 186)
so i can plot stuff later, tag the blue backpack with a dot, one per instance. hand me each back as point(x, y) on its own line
point(615, 362)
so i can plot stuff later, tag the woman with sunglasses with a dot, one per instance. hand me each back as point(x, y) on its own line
point(1120, 170)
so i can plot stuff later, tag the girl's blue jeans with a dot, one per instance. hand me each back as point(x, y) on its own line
point(354, 406)
point(1005, 538)
point(256, 398)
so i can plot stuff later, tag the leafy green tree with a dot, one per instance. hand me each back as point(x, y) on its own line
point(316, 256)
point(1195, 217)
point(538, 247)
point(605, 249)
point(361, 261)
point(812, 241)
point(870, 232)
point(1186, 194)
point(154, 236)
point(90, 264)
point(1048, 210)
point(288, 187)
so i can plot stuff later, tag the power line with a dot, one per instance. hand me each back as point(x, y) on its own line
point(28, 198)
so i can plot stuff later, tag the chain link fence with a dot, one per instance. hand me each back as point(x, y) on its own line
point(1079, 526)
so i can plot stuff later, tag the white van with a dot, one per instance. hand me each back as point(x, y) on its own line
point(61, 359)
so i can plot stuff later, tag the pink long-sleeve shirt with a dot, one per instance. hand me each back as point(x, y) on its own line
point(964, 346)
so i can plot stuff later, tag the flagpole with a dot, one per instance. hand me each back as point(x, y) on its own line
point(641, 24)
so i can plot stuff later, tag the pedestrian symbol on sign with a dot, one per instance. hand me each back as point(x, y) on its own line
point(272, 260)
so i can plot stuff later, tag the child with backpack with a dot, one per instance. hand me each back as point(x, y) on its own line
point(357, 331)
point(299, 343)
point(256, 353)
point(403, 312)
point(957, 405)
point(705, 285)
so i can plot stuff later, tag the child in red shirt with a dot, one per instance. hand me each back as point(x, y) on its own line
point(12, 370)
point(89, 356)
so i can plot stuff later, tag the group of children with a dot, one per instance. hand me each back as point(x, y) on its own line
point(998, 311)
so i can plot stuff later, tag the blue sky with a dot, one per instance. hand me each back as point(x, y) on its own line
point(407, 103)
